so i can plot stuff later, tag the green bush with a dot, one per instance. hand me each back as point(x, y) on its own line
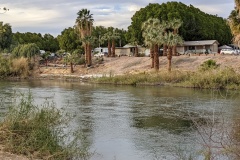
point(26, 50)
point(209, 64)
point(5, 66)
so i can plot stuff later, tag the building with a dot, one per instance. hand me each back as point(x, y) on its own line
point(203, 46)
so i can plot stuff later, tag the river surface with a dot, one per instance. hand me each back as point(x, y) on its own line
point(132, 123)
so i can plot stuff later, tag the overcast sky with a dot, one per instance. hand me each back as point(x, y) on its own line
point(53, 16)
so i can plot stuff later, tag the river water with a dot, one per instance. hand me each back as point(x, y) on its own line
point(132, 123)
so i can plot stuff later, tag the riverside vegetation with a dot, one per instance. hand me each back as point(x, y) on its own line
point(39, 132)
point(208, 76)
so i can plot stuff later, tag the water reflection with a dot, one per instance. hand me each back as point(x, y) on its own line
point(124, 122)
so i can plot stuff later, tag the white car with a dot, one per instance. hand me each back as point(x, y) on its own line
point(228, 51)
point(99, 55)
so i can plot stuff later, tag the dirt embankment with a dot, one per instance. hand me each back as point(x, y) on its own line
point(124, 64)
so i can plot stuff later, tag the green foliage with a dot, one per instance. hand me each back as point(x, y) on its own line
point(26, 50)
point(218, 79)
point(214, 78)
point(209, 64)
point(46, 42)
point(38, 132)
point(68, 40)
point(197, 25)
point(145, 78)
point(5, 36)
point(5, 66)
point(100, 31)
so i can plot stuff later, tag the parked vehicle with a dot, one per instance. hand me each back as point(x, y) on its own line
point(228, 51)
point(99, 55)
point(198, 51)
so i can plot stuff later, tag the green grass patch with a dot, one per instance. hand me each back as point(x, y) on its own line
point(208, 77)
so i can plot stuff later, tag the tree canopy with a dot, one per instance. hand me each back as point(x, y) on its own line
point(197, 25)
point(68, 40)
point(46, 42)
point(5, 36)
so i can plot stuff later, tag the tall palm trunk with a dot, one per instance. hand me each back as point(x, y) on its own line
point(169, 57)
point(174, 49)
point(71, 65)
point(86, 54)
point(109, 49)
point(152, 57)
point(89, 63)
point(136, 51)
point(164, 50)
point(113, 48)
point(156, 58)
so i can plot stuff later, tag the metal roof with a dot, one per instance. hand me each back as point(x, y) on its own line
point(200, 43)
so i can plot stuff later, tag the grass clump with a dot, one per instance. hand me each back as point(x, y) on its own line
point(144, 78)
point(37, 132)
point(225, 78)
point(16, 67)
point(208, 65)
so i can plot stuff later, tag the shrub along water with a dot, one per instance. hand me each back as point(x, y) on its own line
point(38, 132)
point(17, 67)
point(209, 75)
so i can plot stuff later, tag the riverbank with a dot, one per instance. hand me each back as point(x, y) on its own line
point(112, 66)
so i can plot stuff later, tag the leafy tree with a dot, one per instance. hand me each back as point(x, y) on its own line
point(196, 25)
point(84, 24)
point(46, 42)
point(50, 43)
point(26, 50)
point(98, 32)
point(5, 36)
point(68, 40)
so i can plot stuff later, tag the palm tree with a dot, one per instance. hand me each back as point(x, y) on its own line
point(234, 24)
point(107, 37)
point(175, 24)
point(134, 42)
point(115, 36)
point(84, 24)
point(153, 37)
point(171, 40)
point(237, 4)
point(111, 36)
